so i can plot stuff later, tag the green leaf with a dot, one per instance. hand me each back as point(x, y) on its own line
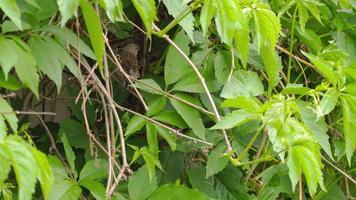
point(8, 55)
point(147, 11)
point(114, 10)
point(168, 136)
point(155, 104)
point(175, 8)
point(151, 161)
point(196, 175)
point(4, 165)
point(176, 67)
point(272, 65)
point(135, 124)
point(67, 8)
point(66, 190)
point(349, 117)
point(227, 19)
point(222, 65)
point(295, 89)
point(75, 133)
point(47, 60)
point(242, 40)
point(140, 187)
point(14, 52)
point(68, 37)
point(69, 153)
point(242, 83)
point(304, 158)
point(95, 188)
point(94, 170)
point(267, 28)
point(317, 126)
point(229, 184)
point(247, 103)
point(216, 161)
point(10, 116)
point(325, 68)
point(328, 102)
point(151, 135)
point(173, 164)
point(11, 9)
point(190, 116)
point(170, 191)
point(206, 15)
point(45, 175)
point(236, 118)
point(11, 83)
point(303, 16)
point(172, 118)
point(96, 35)
point(24, 165)
point(149, 85)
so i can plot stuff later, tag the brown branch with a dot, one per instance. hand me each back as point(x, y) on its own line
point(296, 57)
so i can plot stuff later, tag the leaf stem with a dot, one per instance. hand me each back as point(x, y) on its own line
point(249, 145)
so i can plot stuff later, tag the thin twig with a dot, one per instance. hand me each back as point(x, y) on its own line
point(29, 113)
point(54, 147)
point(176, 132)
point(118, 64)
point(202, 81)
point(300, 190)
point(167, 94)
point(339, 170)
point(295, 57)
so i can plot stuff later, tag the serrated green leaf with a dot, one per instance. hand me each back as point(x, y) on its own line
point(67, 8)
point(96, 35)
point(175, 8)
point(95, 188)
point(176, 67)
point(236, 118)
point(24, 165)
point(151, 135)
point(155, 104)
point(45, 175)
point(227, 19)
point(140, 186)
point(114, 10)
point(4, 165)
point(8, 114)
point(47, 61)
point(171, 191)
point(190, 116)
point(247, 103)
point(94, 170)
point(242, 83)
point(168, 136)
point(206, 15)
point(302, 159)
point(328, 102)
point(147, 12)
point(69, 153)
point(349, 117)
point(135, 124)
point(172, 118)
point(151, 162)
point(216, 161)
point(267, 28)
point(325, 68)
point(11, 9)
point(66, 190)
point(149, 85)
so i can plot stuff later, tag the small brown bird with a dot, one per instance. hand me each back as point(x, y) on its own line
point(129, 60)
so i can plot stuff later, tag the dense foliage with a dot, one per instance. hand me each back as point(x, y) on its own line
point(177, 99)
